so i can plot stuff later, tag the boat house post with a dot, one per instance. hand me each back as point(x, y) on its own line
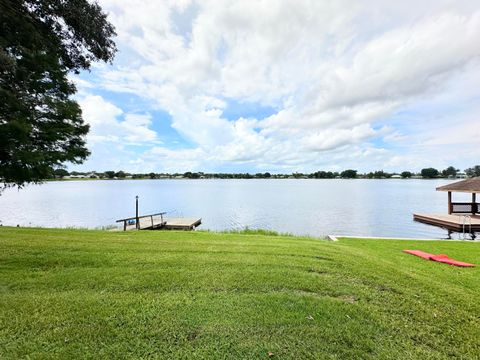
point(476, 208)
point(450, 207)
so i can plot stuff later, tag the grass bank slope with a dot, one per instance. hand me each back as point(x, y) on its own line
point(100, 294)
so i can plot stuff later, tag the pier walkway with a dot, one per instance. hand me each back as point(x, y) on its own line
point(159, 222)
point(453, 222)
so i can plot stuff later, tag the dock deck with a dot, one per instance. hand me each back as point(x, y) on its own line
point(182, 223)
point(159, 222)
point(452, 222)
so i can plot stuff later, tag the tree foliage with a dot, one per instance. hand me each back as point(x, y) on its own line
point(191, 175)
point(473, 171)
point(450, 172)
point(41, 126)
point(324, 175)
point(121, 174)
point(349, 174)
point(60, 173)
point(429, 173)
point(380, 174)
point(110, 174)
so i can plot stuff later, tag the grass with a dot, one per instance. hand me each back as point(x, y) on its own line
point(99, 294)
point(250, 231)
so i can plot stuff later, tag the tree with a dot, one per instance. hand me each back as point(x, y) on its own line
point(378, 175)
point(406, 174)
point(323, 175)
point(429, 173)
point(298, 175)
point(450, 171)
point(152, 175)
point(121, 174)
point(473, 171)
point(349, 174)
point(190, 175)
point(60, 173)
point(110, 174)
point(41, 126)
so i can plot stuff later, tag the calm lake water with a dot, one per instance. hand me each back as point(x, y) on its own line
point(304, 207)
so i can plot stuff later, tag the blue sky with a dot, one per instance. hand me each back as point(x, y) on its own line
point(285, 86)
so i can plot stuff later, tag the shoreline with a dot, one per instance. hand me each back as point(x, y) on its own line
point(247, 231)
point(253, 178)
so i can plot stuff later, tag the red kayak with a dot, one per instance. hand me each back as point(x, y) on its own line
point(439, 258)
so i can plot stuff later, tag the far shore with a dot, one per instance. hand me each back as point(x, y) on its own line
point(253, 178)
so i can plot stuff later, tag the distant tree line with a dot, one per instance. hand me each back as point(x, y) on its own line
point(427, 173)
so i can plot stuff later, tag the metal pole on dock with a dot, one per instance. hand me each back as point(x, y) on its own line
point(136, 213)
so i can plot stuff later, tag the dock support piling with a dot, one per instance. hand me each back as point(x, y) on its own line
point(137, 220)
point(450, 207)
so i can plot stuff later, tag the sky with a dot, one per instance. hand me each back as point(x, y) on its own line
point(285, 86)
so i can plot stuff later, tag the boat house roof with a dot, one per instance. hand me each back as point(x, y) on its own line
point(471, 185)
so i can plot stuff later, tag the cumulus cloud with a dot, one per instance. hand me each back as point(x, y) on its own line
point(338, 75)
point(106, 125)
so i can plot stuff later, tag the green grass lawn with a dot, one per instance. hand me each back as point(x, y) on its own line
point(100, 294)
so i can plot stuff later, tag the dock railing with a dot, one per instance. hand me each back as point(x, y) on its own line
point(465, 208)
point(137, 220)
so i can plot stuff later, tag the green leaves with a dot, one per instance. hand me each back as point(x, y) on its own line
point(40, 42)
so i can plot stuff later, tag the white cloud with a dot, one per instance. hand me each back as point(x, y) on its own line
point(336, 71)
point(105, 125)
point(136, 128)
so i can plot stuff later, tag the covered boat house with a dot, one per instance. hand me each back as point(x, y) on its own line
point(462, 216)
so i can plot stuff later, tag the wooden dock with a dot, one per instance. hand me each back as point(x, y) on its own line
point(452, 222)
point(182, 224)
point(159, 222)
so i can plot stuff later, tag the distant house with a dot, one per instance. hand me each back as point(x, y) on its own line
point(396, 176)
point(461, 175)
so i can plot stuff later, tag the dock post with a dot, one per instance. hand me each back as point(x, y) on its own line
point(136, 213)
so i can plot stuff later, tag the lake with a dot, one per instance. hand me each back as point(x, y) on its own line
point(297, 206)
